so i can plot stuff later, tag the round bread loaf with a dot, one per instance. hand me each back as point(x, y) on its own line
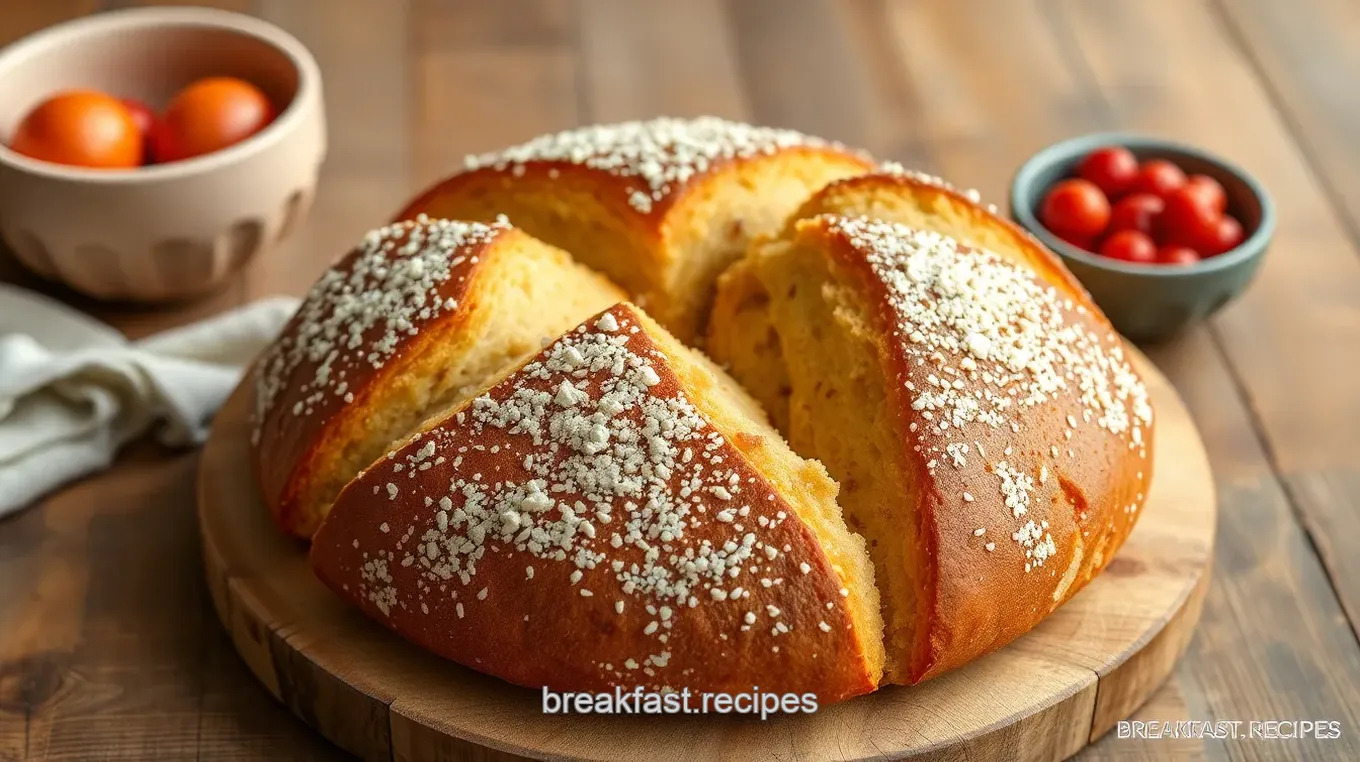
point(661, 206)
point(610, 514)
point(609, 508)
point(418, 315)
point(990, 437)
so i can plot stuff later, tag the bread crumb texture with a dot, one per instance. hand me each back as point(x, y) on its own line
point(934, 380)
point(415, 319)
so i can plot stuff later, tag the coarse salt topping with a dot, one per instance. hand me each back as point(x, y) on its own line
point(361, 309)
point(614, 479)
point(895, 168)
point(991, 341)
point(661, 155)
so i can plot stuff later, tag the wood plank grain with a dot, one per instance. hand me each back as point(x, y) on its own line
point(1329, 501)
point(470, 24)
point(899, 132)
point(680, 57)
point(1304, 307)
point(1246, 663)
point(469, 99)
point(240, 721)
point(1166, 705)
point(107, 655)
point(798, 60)
point(1037, 84)
point(1303, 52)
point(363, 51)
point(20, 19)
point(1308, 52)
point(997, 84)
point(1276, 339)
point(114, 653)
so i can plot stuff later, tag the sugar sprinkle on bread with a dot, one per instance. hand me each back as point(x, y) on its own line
point(660, 153)
point(592, 467)
point(384, 289)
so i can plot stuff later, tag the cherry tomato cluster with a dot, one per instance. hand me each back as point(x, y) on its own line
point(87, 128)
point(1150, 213)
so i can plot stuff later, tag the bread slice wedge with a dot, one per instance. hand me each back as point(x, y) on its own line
point(661, 207)
point(414, 319)
point(991, 439)
point(610, 513)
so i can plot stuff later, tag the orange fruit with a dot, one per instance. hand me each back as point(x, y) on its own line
point(210, 115)
point(82, 128)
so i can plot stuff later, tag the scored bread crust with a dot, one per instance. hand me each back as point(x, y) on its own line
point(981, 574)
point(353, 350)
point(708, 578)
point(661, 207)
point(503, 534)
point(1086, 483)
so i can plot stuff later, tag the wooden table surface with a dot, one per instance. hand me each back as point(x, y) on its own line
point(108, 646)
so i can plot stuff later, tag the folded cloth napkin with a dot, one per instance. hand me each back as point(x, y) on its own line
point(73, 390)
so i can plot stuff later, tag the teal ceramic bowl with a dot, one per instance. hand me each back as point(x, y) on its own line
point(1148, 303)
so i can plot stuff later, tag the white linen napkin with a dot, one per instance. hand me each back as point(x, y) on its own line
point(73, 390)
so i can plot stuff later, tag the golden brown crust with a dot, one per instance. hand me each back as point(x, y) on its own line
point(595, 535)
point(1020, 511)
point(349, 340)
point(613, 192)
point(869, 195)
point(651, 166)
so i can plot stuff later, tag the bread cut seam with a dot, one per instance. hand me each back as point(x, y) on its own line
point(408, 324)
point(822, 376)
point(950, 391)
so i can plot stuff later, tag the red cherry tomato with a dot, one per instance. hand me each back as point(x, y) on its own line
point(1226, 235)
point(1177, 255)
point(145, 119)
point(1076, 209)
point(1158, 177)
point(142, 115)
point(80, 128)
point(1129, 246)
point(1111, 169)
point(209, 115)
point(1188, 220)
point(1136, 212)
point(1210, 192)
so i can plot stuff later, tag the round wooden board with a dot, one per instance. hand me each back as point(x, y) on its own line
point(1043, 697)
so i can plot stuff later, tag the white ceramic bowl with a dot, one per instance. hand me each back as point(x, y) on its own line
point(168, 231)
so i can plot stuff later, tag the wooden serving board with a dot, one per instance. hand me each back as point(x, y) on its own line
point(1044, 697)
